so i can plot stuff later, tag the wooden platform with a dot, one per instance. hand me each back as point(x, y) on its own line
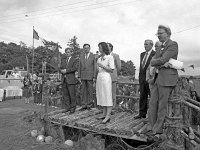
point(122, 124)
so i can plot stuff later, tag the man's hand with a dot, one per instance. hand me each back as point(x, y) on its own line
point(79, 80)
point(167, 65)
point(151, 71)
point(94, 80)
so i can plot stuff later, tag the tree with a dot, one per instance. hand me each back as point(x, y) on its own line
point(74, 45)
point(128, 68)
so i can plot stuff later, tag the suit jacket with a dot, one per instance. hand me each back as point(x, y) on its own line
point(87, 68)
point(142, 72)
point(71, 67)
point(166, 76)
point(117, 61)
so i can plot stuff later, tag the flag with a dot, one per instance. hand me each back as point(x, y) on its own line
point(192, 66)
point(55, 60)
point(182, 69)
point(35, 35)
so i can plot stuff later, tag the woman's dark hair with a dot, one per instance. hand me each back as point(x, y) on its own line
point(111, 46)
point(104, 47)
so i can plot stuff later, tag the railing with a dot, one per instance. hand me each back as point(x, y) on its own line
point(127, 96)
point(180, 130)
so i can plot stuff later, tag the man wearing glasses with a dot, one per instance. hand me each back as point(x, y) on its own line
point(165, 81)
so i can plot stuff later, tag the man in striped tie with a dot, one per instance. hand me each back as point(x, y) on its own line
point(145, 58)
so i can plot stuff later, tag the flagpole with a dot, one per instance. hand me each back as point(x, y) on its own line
point(33, 54)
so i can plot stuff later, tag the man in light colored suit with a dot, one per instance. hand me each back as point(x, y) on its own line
point(115, 73)
point(165, 82)
point(87, 75)
point(151, 73)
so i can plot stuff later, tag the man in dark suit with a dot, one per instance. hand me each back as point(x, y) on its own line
point(87, 75)
point(165, 81)
point(114, 75)
point(145, 59)
point(69, 67)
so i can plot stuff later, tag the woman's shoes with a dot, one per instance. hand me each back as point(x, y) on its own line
point(100, 118)
point(107, 121)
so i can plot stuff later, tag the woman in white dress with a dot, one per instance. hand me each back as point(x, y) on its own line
point(105, 66)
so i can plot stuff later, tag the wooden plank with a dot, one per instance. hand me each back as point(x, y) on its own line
point(136, 98)
point(192, 106)
point(61, 132)
point(56, 112)
point(141, 130)
point(134, 137)
point(192, 101)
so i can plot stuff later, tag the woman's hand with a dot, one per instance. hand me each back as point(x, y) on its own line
point(100, 65)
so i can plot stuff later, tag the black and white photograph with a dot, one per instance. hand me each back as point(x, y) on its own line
point(99, 75)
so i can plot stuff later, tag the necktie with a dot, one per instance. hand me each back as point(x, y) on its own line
point(86, 57)
point(144, 60)
point(68, 58)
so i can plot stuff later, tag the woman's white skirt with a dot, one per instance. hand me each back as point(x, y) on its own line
point(104, 89)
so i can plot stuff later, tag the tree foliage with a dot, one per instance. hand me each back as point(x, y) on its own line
point(128, 68)
point(74, 45)
point(13, 55)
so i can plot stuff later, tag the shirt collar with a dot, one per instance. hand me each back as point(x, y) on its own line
point(164, 42)
point(149, 52)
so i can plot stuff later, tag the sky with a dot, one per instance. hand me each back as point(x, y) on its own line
point(124, 23)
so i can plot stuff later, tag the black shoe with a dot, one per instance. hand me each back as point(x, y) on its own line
point(112, 113)
point(89, 107)
point(107, 121)
point(66, 110)
point(100, 118)
point(83, 108)
point(139, 117)
point(153, 138)
point(72, 110)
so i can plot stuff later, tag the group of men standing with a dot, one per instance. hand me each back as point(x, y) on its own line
point(164, 78)
point(86, 67)
point(155, 72)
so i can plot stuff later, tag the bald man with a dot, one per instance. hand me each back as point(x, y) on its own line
point(152, 72)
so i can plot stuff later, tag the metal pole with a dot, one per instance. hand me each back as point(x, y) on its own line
point(33, 55)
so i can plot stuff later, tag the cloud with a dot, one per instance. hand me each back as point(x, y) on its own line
point(126, 26)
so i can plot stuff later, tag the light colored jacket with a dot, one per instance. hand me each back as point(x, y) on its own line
point(87, 68)
point(166, 76)
point(117, 62)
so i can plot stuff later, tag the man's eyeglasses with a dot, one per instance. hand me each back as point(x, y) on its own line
point(160, 33)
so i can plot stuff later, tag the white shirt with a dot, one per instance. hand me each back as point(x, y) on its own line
point(68, 59)
point(87, 55)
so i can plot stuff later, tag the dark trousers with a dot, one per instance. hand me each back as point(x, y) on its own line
point(35, 98)
point(143, 103)
point(39, 98)
point(69, 96)
point(87, 92)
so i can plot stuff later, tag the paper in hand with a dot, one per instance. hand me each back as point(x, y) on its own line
point(176, 64)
